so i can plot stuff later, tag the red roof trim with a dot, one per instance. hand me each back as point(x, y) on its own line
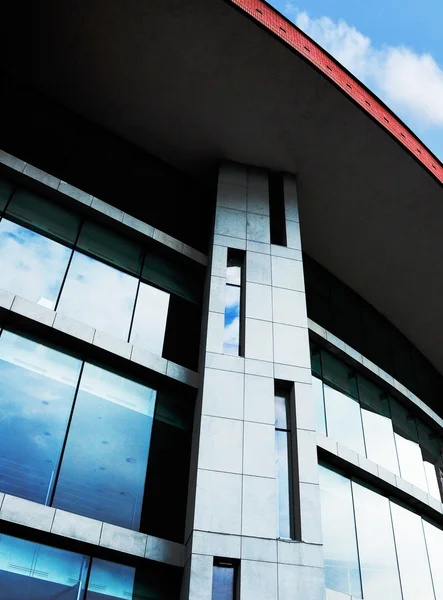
point(296, 39)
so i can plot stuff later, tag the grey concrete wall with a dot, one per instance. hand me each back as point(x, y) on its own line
point(233, 508)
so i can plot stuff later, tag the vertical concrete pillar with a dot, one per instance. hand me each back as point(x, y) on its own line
point(233, 510)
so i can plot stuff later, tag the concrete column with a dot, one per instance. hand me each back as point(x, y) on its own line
point(233, 510)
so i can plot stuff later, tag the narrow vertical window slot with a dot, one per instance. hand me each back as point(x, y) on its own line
point(233, 341)
point(224, 579)
point(277, 209)
point(284, 463)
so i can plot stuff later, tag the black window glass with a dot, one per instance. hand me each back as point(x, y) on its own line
point(104, 464)
point(339, 374)
point(6, 189)
point(37, 388)
point(172, 276)
point(110, 247)
point(45, 217)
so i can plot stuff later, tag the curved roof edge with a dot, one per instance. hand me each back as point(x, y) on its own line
point(289, 33)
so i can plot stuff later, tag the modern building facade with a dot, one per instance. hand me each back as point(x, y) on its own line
point(220, 316)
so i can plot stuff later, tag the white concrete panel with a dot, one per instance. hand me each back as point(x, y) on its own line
point(307, 456)
point(290, 373)
point(149, 360)
point(221, 444)
point(259, 450)
point(287, 273)
point(112, 344)
point(310, 513)
point(219, 261)
point(259, 511)
point(223, 394)
point(258, 228)
point(258, 301)
point(259, 399)
point(259, 367)
point(259, 247)
point(216, 544)
point(258, 179)
point(215, 332)
point(258, 342)
point(258, 201)
point(217, 294)
point(33, 311)
point(230, 222)
point(291, 346)
point(137, 225)
point(258, 268)
point(25, 512)
point(107, 209)
point(164, 551)
point(233, 173)
point(218, 502)
point(124, 540)
point(293, 238)
point(75, 328)
point(200, 587)
point(289, 307)
point(254, 548)
point(347, 454)
point(290, 195)
point(258, 580)
point(6, 299)
point(304, 407)
point(300, 582)
point(289, 552)
point(230, 242)
point(230, 195)
point(77, 527)
point(225, 362)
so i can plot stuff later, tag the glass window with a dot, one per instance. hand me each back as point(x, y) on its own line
point(30, 571)
point(434, 543)
point(282, 464)
point(339, 374)
point(412, 555)
point(110, 247)
point(110, 580)
point(31, 265)
point(320, 417)
point(232, 327)
point(379, 440)
point(37, 387)
point(376, 548)
point(223, 580)
point(430, 449)
point(103, 468)
point(339, 538)
point(6, 188)
point(46, 217)
point(343, 417)
point(98, 295)
point(149, 324)
point(172, 276)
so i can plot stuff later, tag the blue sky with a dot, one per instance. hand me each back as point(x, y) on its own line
point(394, 46)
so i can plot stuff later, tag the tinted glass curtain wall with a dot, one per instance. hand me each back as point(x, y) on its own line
point(53, 257)
point(374, 548)
point(72, 434)
point(362, 417)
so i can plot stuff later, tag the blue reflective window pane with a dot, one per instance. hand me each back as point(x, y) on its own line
point(231, 340)
point(99, 295)
point(30, 571)
point(109, 580)
point(104, 464)
point(281, 416)
point(379, 439)
point(339, 538)
point(223, 583)
point(434, 543)
point(283, 490)
point(412, 556)
point(411, 461)
point(37, 387)
point(320, 417)
point(378, 560)
point(151, 313)
point(31, 265)
point(343, 417)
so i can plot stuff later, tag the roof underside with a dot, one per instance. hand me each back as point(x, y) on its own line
point(197, 81)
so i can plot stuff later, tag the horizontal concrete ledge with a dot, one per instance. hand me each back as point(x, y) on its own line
point(392, 484)
point(90, 531)
point(95, 204)
point(36, 315)
point(357, 357)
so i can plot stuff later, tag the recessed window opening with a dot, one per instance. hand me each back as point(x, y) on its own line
point(233, 341)
point(277, 209)
point(224, 579)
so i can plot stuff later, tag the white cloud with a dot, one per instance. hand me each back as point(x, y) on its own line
point(410, 83)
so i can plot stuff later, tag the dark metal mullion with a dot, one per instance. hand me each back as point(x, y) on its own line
point(88, 574)
point(136, 297)
point(65, 441)
point(82, 221)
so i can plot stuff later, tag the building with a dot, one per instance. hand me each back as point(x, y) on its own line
point(220, 290)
